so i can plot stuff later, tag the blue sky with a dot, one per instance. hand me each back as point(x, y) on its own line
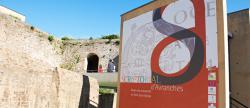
point(84, 18)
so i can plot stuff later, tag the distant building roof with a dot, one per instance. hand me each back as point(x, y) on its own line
point(10, 12)
point(247, 9)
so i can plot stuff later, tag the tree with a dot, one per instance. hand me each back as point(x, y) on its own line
point(112, 36)
point(65, 38)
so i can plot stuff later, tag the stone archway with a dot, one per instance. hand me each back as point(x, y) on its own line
point(93, 61)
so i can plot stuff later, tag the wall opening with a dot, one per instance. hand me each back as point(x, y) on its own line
point(116, 63)
point(93, 61)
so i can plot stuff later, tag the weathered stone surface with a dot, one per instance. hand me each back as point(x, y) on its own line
point(26, 83)
point(70, 87)
point(83, 48)
point(94, 92)
point(71, 54)
point(239, 52)
point(28, 74)
point(42, 90)
point(18, 36)
point(36, 86)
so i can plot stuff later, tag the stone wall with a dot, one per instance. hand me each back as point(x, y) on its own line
point(238, 25)
point(20, 37)
point(80, 49)
point(70, 89)
point(29, 83)
point(12, 13)
point(29, 73)
point(70, 54)
point(25, 84)
point(31, 88)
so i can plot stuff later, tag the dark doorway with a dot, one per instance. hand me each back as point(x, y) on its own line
point(93, 61)
point(116, 62)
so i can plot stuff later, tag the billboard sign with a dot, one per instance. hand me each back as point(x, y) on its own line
point(170, 56)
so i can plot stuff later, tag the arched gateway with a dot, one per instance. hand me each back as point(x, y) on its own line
point(93, 61)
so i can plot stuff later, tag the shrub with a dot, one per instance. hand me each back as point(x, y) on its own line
point(117, 42)
point(65, 38)
point(51, 38)
point(113, 36)
point(91, 38)
point(32, 28)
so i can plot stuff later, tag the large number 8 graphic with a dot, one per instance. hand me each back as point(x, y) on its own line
point(175, 33)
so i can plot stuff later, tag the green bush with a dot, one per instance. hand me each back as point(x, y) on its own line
point(65, 38)
point(113, 36)
point(32, 27)
point(117, 42)
point(51, 38)
point(91, 38)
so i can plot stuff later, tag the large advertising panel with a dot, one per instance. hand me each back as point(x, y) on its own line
point(169, 57)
